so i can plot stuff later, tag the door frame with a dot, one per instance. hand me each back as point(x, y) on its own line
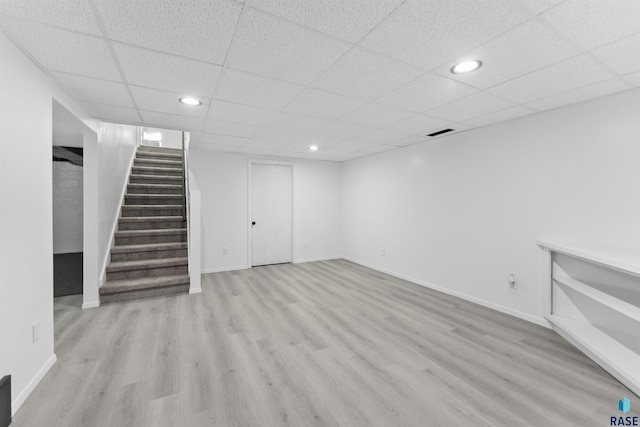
point(252, 162)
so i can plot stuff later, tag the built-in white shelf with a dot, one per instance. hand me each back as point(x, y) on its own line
point(603, 298)
point(594, 303)
point(616, 358)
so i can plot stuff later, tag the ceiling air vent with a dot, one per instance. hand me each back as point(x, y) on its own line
point(440, 132)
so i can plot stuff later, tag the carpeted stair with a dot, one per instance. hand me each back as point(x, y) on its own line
point(149, 257)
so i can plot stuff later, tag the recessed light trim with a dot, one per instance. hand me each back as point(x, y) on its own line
point(313, 148)
point(466, 66)
point(187, 100)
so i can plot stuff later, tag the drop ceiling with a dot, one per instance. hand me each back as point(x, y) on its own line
point(354, 77)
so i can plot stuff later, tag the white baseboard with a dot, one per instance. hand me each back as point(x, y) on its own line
point(221, 269)
point(22, 396)
point(300, 261)
point(195, 290)
point(90, 304)
point(524, 316)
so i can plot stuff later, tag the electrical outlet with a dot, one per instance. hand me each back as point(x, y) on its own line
point(513, 284)
point(225, 251)
point(35, 329)
point(383, 252)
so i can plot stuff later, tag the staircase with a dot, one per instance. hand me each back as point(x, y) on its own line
point(149, 257)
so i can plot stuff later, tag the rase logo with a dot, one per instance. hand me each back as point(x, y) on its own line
point(624, 406)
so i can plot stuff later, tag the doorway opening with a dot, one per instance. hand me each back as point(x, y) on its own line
point(75, 210)
point(67, 221)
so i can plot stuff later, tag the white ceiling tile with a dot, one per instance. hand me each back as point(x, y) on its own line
point(294, 150)
point(335, 159)
point(256, 151)
point(366, 75)
point(321, 156)
point(250, 89)
point(352, 155)
point(593, 23)
point(501, 116)
point(166, 102)
point(470, 107)
point(273, 134)
point(267, 145)
point(229, 128)
point(538, 6)
point(212, 138)
point(412, 140)
point(239, 113)
point(171, 121)
point(322, 141)
point(430, 33)
point(376, 115)
point(567, 75)
point(63, 50)
point(198, 29)
point(348, 20)
point(93, 90)
point(342, 130)
point(381, 136)
point(276, 48)
point(355, 145)
point(70, 14)
point(634, 78)
point(420, 124)
point(579, 95)
point(379, 148)
point(426, 92)
point(503, 57)
point(146, 68)
point(622, 55)
point(324, 105)
point(218, 147)
point(112, 114)
point(332, 151)
point(296, 122)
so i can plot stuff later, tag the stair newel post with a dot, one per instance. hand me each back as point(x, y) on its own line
point(184, 180)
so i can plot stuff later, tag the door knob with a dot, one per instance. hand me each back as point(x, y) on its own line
point(253, 223)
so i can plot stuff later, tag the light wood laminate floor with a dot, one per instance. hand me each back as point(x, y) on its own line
point(318, 344)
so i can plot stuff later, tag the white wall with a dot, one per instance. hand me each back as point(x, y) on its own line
point(67, 208)
point(222, 178)
point(460, 213)
point(26, 231)
point(116, 150)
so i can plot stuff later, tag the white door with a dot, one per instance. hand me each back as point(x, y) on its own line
point(271, 214)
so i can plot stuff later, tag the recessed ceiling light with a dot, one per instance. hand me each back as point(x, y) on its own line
point(466, 66)
point(313, 148)
point(190, 101)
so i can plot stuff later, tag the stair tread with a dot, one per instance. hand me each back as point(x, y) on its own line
point(159, 154)
point(120, 249)
point(115, 286)
point(153, 206)
point(146, 264)
point(155, 168)
point(158, 177)
point(158, 149)
point(138, 184)
point(153, 232)
point(150, 218)
point(156, 195)
point(159, 161)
